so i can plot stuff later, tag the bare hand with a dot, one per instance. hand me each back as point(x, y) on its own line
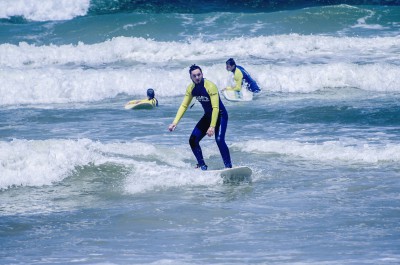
point(171, 127)
point(210, 131)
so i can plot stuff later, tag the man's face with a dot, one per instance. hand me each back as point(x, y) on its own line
point(196, 76)
point(229, 67)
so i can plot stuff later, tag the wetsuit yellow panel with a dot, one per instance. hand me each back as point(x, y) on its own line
point(238, 78)
point(152, 101)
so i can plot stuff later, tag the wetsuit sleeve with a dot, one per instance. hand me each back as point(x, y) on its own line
point(238, 77)
point(185, 103)
point(212, 91)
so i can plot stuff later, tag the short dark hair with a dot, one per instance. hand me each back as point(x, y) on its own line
point(194, 67)
point(150, 93)
point(230, 61)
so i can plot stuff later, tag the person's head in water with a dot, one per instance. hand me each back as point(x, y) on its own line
point(196, 74)
point(230, 65)
point(150, 93)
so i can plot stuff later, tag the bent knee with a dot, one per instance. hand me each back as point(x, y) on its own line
point(220, 140)
point(193, 141)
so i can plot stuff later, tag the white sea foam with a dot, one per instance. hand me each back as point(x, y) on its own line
point(363, 22)
point(43, 162)
point(36, 163)
point(349, 150)
point(313, 77)
point(44, 10)
point(151, 177)
point(54, 85)
point(289, 63)
point(284, 48)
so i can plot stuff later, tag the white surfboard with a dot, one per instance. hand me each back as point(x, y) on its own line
point(243, 95)
point(235, 174)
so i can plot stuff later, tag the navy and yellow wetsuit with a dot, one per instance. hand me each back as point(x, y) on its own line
point(240, 75)
point(215, 115)
point(154, 102)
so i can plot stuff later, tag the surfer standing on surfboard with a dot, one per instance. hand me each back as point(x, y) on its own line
point(214, 120)
point(240, 77)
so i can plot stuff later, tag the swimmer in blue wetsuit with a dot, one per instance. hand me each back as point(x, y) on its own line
point(214, 120)
point(241, 77)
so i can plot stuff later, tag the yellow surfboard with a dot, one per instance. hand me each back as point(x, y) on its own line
point(140, 104)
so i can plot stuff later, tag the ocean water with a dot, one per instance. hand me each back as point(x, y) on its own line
point(84, 181)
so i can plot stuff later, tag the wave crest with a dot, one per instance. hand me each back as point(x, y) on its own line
point(44, 10)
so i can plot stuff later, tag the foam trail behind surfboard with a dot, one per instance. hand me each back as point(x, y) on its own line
point(235, 174)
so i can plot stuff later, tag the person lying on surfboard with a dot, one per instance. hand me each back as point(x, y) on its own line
point(150, 100)
point(214, 120)
point(240, 77)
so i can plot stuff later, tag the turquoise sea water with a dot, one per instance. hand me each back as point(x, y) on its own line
point(84, 181)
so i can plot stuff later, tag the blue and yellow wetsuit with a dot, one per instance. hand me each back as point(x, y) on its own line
point(240, 75)
point(153, 102)
point(215, 115)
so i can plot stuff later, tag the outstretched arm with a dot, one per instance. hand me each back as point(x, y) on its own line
point(182, 109)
